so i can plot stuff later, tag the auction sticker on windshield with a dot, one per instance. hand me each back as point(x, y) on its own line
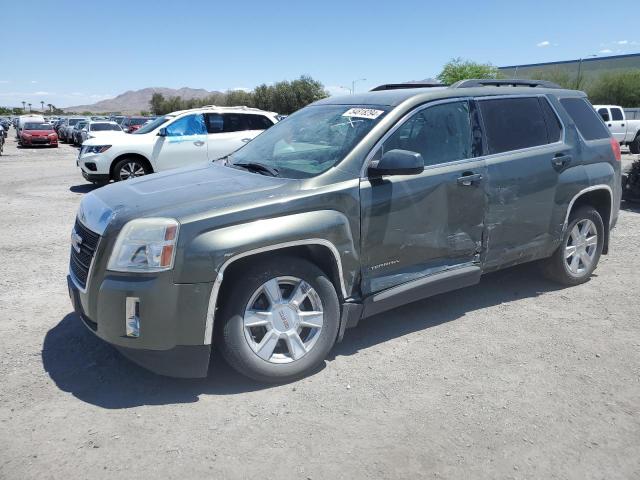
point(369, 113)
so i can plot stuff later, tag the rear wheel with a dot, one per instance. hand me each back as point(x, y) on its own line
point(130, 168)
point(280, 321)
point(578, 255)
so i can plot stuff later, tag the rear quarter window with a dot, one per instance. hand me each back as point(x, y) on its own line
point(585, 117)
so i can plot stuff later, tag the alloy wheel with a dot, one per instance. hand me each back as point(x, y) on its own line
point(283, 320)
point(131, 170)
point(581, 246)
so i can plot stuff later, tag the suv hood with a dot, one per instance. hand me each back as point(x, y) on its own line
point(124, 139)
point(180, 193)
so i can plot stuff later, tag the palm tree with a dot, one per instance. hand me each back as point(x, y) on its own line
point(42, 105)
point(24, 105)
point(29, 107)
point(50, 105)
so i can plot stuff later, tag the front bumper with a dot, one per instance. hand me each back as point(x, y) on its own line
point(96, 177)
point(172, 322)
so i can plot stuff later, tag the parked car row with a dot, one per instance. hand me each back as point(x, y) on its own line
point(622, 124)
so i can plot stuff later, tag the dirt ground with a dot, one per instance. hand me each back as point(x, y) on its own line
point(512, 378)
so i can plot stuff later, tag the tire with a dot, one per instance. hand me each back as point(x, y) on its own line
point(282, 338)
point(129, 168)
point(634, 147)
point(575, 269)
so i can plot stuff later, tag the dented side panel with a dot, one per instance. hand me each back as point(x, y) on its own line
point(416, 225)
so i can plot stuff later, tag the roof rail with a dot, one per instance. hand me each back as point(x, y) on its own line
point(398, 86)
point(507, 82)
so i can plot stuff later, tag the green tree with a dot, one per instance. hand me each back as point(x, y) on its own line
point(458, 69)
point(616, 88)
point(157, 103)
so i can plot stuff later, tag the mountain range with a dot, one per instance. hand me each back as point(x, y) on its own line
point(134, 101)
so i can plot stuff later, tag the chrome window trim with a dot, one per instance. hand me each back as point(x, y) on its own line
point(409, 114)
point(215, 290)
point(600, 186)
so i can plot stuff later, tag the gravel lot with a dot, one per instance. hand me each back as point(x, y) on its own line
point(512, 378)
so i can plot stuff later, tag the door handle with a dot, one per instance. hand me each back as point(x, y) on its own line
point(469, 178)
point(608, 124)
point(560, 160)
point(622, 124)
point(245, 140)
point(198, 143)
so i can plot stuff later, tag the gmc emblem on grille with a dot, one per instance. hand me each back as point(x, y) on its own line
point(76, 241)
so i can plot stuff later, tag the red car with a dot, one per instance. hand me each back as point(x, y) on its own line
point(36, 133)
point(131, 124)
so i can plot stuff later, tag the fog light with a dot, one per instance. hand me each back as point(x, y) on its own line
point(132, 319)
point(91, 166)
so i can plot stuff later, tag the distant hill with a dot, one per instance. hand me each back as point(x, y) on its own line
point(133, 101)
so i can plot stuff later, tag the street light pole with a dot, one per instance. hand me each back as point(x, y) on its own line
point(578, 78)
point(353, 84)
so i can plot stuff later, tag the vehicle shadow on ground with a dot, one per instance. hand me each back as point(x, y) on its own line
point(630, 206)
point(83, 188)
point(94, 372)
point(516, 283)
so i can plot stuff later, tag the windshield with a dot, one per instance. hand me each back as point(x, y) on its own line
point(73, 121)
point(149, 127)
point(38, 126)
point(103, 127)
point(311, 140)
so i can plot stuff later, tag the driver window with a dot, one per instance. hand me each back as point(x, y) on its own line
point(604, 113)
point(189, 125)
point(441, 133)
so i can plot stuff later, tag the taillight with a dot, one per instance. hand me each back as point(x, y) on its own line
point(615, 146)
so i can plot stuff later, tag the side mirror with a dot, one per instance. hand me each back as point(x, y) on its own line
point(397, 162)
point(162, 132)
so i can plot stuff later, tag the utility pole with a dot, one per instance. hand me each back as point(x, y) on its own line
point(24, 106)
point(353, 84)
point(579, 77)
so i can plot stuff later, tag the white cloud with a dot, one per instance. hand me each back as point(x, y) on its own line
point(622, 42)
point(4, 81)
point(544, 43)
point(41, 93)
point(34, 81)
point(606, 50)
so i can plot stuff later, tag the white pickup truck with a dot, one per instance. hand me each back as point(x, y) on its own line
point(625, 130)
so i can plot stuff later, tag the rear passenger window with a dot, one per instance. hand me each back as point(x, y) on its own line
point(616, 114)
point(258, 122)
point(234, 122)
point(513, 124)
point(554, 127)
point(585, 118)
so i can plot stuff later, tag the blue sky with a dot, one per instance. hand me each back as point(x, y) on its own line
point(96, 50)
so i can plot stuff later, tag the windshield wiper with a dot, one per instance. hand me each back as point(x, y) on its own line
point(257, 167)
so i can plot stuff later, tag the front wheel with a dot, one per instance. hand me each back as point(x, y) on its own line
point(578, 255)
point(129, 168)
point(280, 320)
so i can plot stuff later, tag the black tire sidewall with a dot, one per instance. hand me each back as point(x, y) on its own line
point(233, 342)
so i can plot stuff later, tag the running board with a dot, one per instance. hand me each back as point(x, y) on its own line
point(422, 288)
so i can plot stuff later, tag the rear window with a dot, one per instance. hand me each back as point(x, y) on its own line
point(554, 127)
point(585, 117)
point(513, 124)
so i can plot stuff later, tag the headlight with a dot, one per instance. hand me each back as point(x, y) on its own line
point(97, 148)
point(145, 245)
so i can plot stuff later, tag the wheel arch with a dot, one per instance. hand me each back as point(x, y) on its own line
point(320, 252)
point(599, 197)
point(122, 156)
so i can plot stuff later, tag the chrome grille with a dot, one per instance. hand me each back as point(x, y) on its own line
point(82, 252)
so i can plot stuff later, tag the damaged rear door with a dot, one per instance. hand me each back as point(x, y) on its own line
point(526, 154)
point(418, 225)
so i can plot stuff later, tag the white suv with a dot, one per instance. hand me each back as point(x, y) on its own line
point(171, 141)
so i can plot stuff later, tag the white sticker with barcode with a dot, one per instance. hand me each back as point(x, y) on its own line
point(369, 113)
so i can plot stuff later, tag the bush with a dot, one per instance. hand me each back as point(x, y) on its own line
point(459, 69)
point(616, 88)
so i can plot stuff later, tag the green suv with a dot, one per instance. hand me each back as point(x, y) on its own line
point(348, 208)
